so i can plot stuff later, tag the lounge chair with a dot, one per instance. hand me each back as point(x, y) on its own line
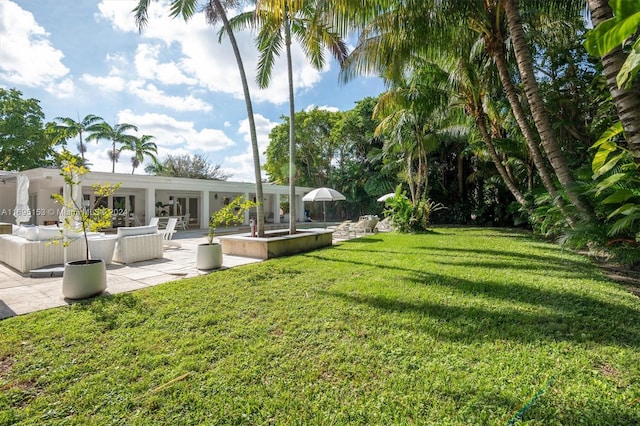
point(167, 234)
point(366, 225)
point(384, 225)
point(154, 221)
point(342, 229)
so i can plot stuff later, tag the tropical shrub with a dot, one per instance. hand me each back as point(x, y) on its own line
point(407, 216)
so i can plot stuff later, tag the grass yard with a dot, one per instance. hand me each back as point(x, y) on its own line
point(455, 327)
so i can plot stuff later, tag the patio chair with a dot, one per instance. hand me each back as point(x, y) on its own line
point(342, 229)
point(183, 222)
point(167, 234)
point(134, 218)
point(366, 225)
point(384, 225)
point(154, 221)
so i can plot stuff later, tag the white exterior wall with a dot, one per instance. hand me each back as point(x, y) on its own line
point(147, 191)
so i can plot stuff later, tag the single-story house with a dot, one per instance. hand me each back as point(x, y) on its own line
point(141, 197)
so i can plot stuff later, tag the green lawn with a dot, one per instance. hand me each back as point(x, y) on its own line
point(459, 326)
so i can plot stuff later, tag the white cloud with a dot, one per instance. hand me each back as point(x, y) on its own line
point(62, 89)
point(173, 134)
point(148, 67)
point(311, 107)
point(26, 55)
point(98, 157)
point(203, 59)
point(241, 165)
point(154, 96)
point(111, 83)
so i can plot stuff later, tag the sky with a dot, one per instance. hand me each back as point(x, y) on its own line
point(173, 81)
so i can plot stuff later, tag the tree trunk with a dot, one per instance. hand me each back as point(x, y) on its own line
point(486, 137)
point(460, 174)
point(250, 117)
point(626, 101)
point(497, 51)
point(538, 110)
point(292, 136)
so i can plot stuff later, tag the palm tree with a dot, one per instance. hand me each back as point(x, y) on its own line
point(216, 11)
point(276, 22)
point(71, 128)
point(469, 84)
point(538, 110)
point(625, 99)
point(141, 147)
point(398, 33)
point(116, 134)
point(409, 112)
point(490, 25)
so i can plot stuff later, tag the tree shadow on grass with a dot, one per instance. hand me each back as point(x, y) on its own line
point(573, 316)
point(493, 254)
point(600, 323)
point(363, 240)
point(110, 311)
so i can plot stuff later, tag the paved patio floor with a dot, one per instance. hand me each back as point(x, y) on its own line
point(21, 294)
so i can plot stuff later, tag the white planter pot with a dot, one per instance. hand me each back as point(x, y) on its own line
point(81, 280)
point(209, 256)
point(102, 247)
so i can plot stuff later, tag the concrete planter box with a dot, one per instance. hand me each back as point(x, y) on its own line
point(276, 243)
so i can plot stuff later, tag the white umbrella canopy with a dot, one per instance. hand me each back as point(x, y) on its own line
point(22, 212)
point(385, 197)
point(324, 194)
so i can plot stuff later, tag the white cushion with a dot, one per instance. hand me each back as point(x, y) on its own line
point(23, 230)
point(45, 234)
point(136, 230)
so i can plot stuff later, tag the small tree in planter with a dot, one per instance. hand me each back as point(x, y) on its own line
point(86, 277)
point(209, 255)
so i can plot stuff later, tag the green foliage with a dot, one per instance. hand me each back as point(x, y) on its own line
point(197, 166)
point(617, 184)
point(316, 150)
point(78, 218)
point(409, 217)
point(546, 219)
point(231, 214)
point(26, 142)
point(456, 327)
point(615, 32)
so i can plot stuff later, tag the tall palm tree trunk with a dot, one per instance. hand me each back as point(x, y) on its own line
point(538, 110)
point(481, 122)
point(292, 136)
point(626, 101)
point(250, 117)
point(499, 55)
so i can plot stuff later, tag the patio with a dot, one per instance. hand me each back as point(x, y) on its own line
point(21, 294)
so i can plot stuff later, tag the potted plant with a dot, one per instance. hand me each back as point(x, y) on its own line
point(209, 254)
point(82, 278)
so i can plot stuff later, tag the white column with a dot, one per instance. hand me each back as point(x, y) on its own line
point(149, 204)
point(205, 213)
point(276, 213)
point(246, 212)
point(299, 209)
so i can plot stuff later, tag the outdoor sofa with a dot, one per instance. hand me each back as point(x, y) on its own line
point(138, 243)
point(32, 247)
